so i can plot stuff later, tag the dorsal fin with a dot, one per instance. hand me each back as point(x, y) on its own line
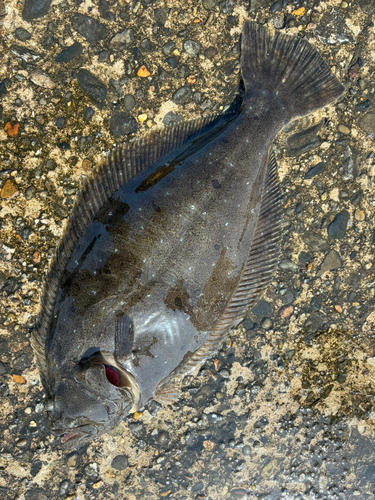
point(123, 164)
point(256, 276)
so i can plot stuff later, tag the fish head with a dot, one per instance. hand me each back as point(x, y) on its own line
point(90, 399)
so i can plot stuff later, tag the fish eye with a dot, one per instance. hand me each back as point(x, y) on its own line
point(113, 375)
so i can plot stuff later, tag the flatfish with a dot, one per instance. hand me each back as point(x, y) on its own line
point(169, 244)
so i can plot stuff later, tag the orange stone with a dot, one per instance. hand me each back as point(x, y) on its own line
point(19, 379)
point(286, 311)
point(137, 415)
point(191, 79)
point(12, 130)
point(36, 257)
point(8, 190)
point(143, 72)
point(216, 364)
point(208, 445)
point(299, 12)
point(338, 308)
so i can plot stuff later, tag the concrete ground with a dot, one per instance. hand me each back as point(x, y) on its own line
point(286, 409)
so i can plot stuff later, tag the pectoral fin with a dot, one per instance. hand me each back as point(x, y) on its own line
point(124, 337)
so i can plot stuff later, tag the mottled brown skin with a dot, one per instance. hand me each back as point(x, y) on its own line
point(159, 264)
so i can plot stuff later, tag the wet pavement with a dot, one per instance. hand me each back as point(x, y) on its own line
point(286, 408)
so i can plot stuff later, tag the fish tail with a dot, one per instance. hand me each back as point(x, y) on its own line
point(288, 68)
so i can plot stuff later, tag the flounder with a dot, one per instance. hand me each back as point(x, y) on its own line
point(169, 245)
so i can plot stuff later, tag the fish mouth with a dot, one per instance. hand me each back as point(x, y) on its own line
point(64, 438)
point(72, 438)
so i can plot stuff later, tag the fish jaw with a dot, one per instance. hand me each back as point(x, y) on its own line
point(72, 439)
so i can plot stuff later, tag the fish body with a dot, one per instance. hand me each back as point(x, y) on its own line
point(168, 247)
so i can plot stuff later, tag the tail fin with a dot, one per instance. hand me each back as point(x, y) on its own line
point(288, 67)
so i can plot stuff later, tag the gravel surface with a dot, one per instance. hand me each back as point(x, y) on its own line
point(286, 409)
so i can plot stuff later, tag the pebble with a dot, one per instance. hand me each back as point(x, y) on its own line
point(122, 123)
point(336, 229)
point(42, 79)
point(8, 190)
point(92, 87)
point(172, 62)
point(18, 379)
point(12, 129)
point(304, 258)
point(51, 164)
point(343, 129)
point(33, 9)
point(210, 53)
point(276, 6)
point(35, 494)
point(363, 106)
point(331, 261)
point(143, 72)
point(182, 95)
point(168, 48)
point(262, 308)
point(147, 46)
point(338, 308)
point(129, 102)
point(299, 12)
point(286, 311)
point(60, 122)
point(315, 170)
point(209, 4)
point(314, 241)
point(89, 27)
point(160, 16)
point(359, 215)
point(65, 487)
point(279, 22)
point(367, 6)
point(170, 118)
point(69, 53)
point(367, 123)
point(23, 53)
point(72, 459)
point(226, 6)
point(3, 91)
point(287, 298)
point(22, 34)
point(163, 439)
point(125, 37)
point(142, 118)
point(246, 450)
point(304, 141)
point(266, 324)
point(191, 48)
point(288, 265)
point(120, 462)
point(89, 113)
point(3, 368)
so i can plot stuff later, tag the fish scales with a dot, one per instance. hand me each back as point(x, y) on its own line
point(161, 258)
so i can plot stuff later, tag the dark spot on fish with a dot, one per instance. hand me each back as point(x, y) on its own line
point(155, 177)
point(111, 214)
point(143, 349)
point(216, 184)
point(178, 302)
